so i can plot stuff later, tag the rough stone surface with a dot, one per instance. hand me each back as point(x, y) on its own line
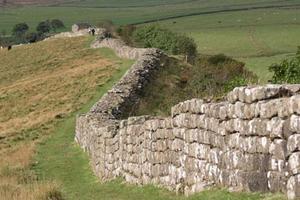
point(250, 142)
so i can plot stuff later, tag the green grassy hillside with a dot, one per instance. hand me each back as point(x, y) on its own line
point(257, 37)
point(40, 85)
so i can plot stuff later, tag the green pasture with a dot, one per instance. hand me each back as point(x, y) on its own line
point(125, 11)
point(257, 37)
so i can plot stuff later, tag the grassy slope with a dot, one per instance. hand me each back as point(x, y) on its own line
point(41, 84)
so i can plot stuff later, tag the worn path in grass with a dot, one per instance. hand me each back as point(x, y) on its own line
point(58, 158)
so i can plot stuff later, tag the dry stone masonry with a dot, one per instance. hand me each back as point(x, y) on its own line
point(249, 142)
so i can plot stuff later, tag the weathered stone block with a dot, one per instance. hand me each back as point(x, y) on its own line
point(276, 181)
point(295, 123)
point(293, 143)
point(294, 104)
point(244, 111)
point(278, 165)
point(204, 136)
point(294, 163)
point(177, 145)
point(275, 127)
point(278, 149)
point(293, 187)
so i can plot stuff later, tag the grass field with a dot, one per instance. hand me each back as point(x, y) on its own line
point(257, 37)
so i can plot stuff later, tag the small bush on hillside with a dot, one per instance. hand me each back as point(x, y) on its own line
point(43, 27)
point(32, 37)
point(157, 37)
point(56, 24)
point(288, 71)
point(211, 78)
point(20, 29)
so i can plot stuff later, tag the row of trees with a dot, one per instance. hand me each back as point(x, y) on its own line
point(287, 71)
point(21, 32)
point(158, 37)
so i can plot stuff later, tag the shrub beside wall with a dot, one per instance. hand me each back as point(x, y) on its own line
point(288, 71)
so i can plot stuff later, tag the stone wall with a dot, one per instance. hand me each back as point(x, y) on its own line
point(249, 142)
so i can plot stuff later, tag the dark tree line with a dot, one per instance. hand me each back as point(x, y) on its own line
point(21, 32)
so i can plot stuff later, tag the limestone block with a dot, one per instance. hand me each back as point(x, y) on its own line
point(192, 121)
point(152, 125)
point(220, 142)
point(244, 111)
point(284, 109)
point(278, 165)
point(158, 158)
point(195, 106)
point(179, 133)
point(203, 151)
point(294, 163)
point(181, 120)
point(276, 181)
point(293, 187)
point(270, 108)
point(293, 143)
point(204, 136)
point(231, 111)
point(254, 127)
point(191, 164)
point(175, 110)
point(212, 172)
point(191, 135)
point(232, 96)
point(294, 104)
point(158, 170)
point(254, 181)
point(233, 140)
point(248, 144)
point(278, 149)
point(168, 123)
point(254, 162)
point(223, 113)
point(263, 144)
point(229, 125)
point(160, 145)
point(295, 123)
point(205, 108)
point(275, 127)
point(239, 125)
point(177, 145)
point(216, 110)
point(215, 155)
point(193, 150)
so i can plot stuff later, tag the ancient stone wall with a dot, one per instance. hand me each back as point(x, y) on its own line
point(249, 142)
